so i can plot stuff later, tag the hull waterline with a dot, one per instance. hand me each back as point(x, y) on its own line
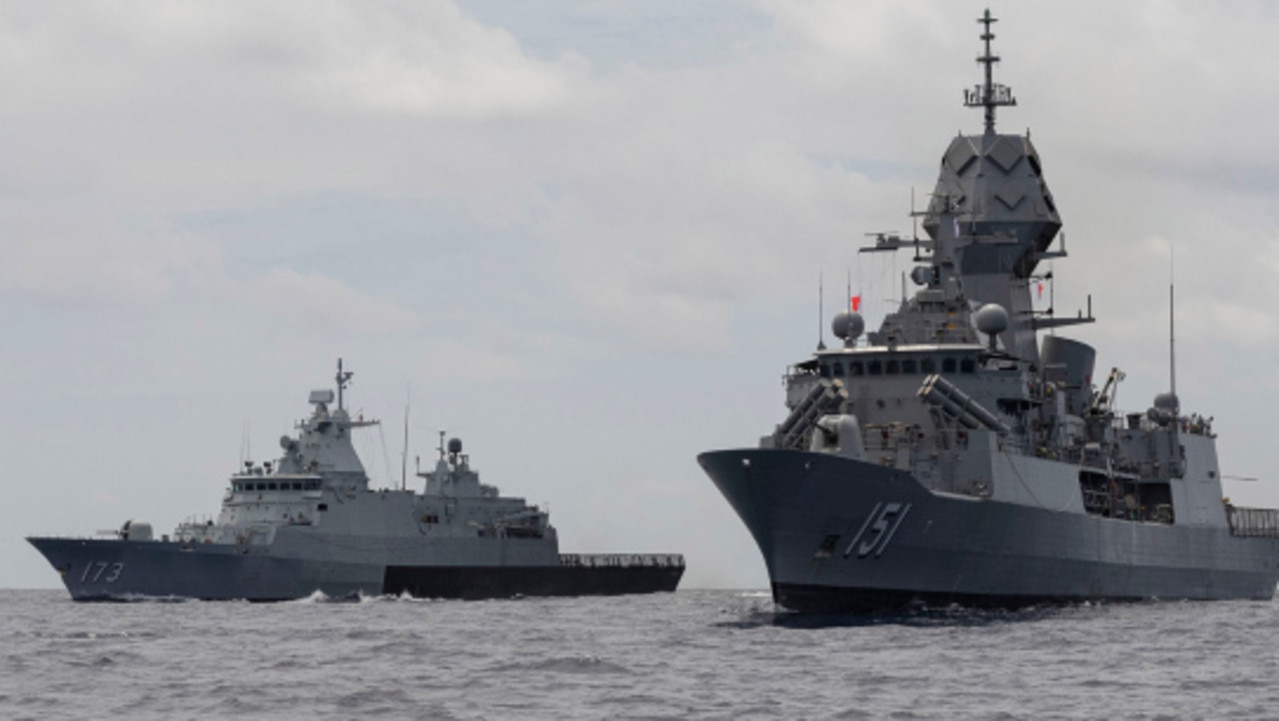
point(840, 535)
point(113, 570)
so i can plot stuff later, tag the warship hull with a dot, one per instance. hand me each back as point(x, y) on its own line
point(842, 535)
point(122, 570)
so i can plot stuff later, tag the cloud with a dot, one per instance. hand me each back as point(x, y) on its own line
point(428, 59)
point(452, 359)
point(311, 302)
point(193, 106)
point(664, 219)
point(89, 257)
point(860, 32)
point(478, 207)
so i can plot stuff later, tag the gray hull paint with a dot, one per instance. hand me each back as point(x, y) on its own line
point(939, 548)
point(110, 569)
point(130, 570)
point(309, 522)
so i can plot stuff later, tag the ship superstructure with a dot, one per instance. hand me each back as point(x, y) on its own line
point(311, 522)
point(960, 454)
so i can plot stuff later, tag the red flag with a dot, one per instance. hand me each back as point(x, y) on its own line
point(856, 301)
point(1041, 291)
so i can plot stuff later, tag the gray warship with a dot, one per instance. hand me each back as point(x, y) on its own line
point(955, 456)
point(310, 522)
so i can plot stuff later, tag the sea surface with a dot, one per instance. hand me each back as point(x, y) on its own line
point(686, 655)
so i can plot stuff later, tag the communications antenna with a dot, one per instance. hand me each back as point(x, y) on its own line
point(990, 94)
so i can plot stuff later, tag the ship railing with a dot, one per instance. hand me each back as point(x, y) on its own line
point(892, 437)
point(1192, 423)
point(901, 445)
point(1253, 522)
point(622, 560)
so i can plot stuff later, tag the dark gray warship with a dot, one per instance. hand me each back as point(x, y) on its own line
point(310, 523)
point(956, 456)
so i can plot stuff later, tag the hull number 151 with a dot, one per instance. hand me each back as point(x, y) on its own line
point(878, 530)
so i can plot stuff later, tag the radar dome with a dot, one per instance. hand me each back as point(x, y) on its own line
point(1167, 402)
point(991, 319)
point(921, 274)
point(847, 325)
point(455, 445)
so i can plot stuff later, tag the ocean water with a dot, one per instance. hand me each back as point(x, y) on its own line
point(686, 655)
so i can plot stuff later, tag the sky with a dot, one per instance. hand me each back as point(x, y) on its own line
point(584, 236)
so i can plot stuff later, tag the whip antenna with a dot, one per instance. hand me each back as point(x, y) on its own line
point(1172, 326)
point(821, 345)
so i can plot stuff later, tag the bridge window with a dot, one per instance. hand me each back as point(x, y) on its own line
point(838, 369)
point(893, 367)
point(874, 368)
point(968, 365)
point(272, 487)
point(948, 365)
point(855, 368)
point(908, 366)
point(825, 371)
point(928, 365)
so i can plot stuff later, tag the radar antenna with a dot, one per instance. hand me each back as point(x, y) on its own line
point(989, 95)
point(342, 378)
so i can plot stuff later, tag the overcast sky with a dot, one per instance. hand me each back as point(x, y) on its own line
point(583, 236)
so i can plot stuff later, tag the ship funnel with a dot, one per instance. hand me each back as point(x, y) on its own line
point(1070, 363)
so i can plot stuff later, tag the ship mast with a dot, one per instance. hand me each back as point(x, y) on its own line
point(989, 95)
point(342, 379)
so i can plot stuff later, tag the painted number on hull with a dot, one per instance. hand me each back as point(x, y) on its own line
point(878, 530)
point(104, 571)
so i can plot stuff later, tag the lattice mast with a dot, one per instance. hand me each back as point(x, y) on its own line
point(989, 95)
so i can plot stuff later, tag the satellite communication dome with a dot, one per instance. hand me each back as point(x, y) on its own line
point(847, 325)
point(455, 445)
point(1167, 402)
point(921, 274)
point(991, 319)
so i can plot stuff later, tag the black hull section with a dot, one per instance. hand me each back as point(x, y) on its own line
point(844, 536)
point(480, 582)
point(833, 600)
